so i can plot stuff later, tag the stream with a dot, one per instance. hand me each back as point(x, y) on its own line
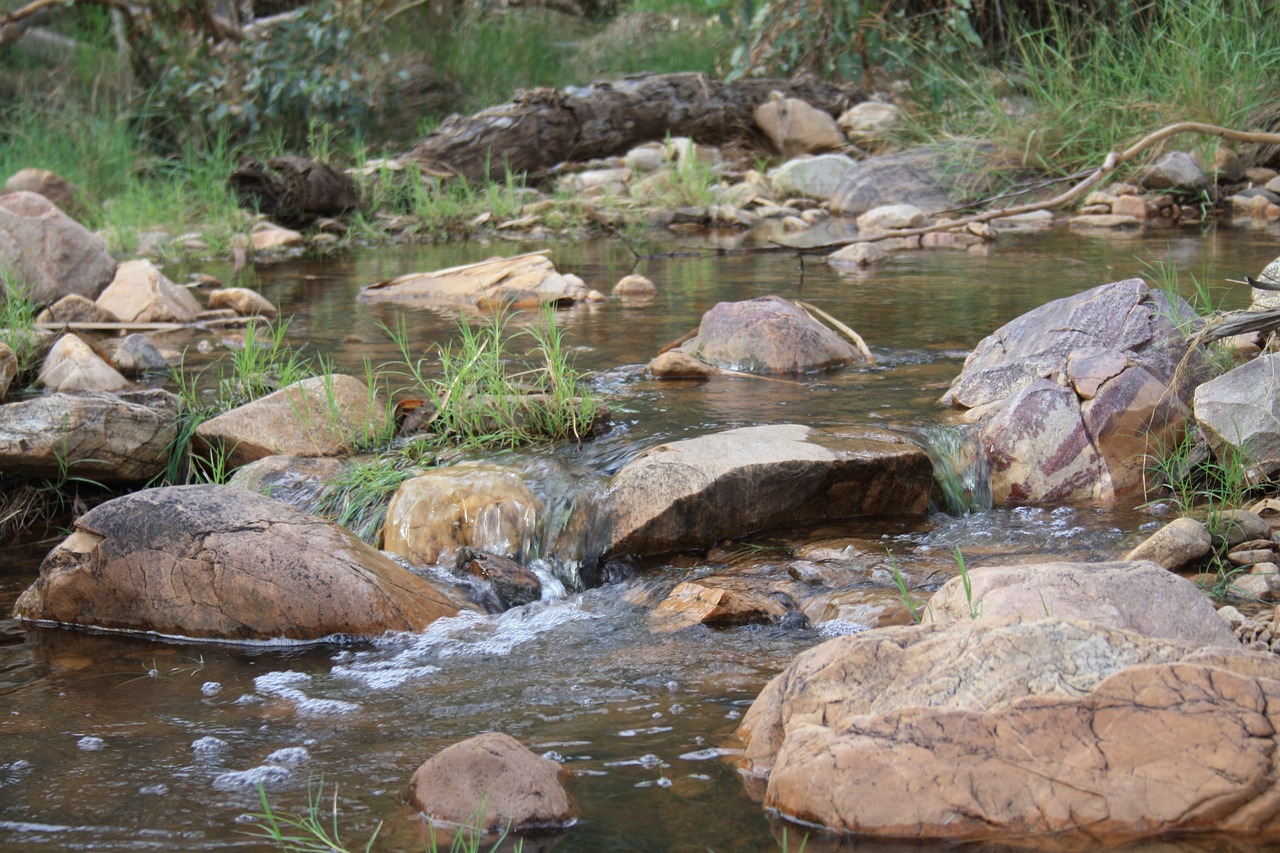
point(115, 743)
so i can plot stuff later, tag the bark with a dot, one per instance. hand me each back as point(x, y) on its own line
point(543, 127)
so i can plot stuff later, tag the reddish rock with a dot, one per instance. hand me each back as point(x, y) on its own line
point(518, 789)
point(715, 603)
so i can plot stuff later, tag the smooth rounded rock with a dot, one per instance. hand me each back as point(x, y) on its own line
point(49, 251)
point(140, 293)
point(73, 365)
point(1177, 546)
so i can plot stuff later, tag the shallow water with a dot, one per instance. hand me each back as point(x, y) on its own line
point(125, 743)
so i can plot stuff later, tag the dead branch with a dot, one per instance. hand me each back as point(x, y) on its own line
point(1110, 163)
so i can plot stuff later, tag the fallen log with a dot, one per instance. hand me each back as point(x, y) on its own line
point(543, 127)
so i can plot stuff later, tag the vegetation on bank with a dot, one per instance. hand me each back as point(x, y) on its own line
point(151, 137)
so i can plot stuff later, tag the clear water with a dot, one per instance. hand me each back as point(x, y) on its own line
point(119, 743)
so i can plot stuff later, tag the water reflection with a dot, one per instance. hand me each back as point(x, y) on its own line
point(118, 743)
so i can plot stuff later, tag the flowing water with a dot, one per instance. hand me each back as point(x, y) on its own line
point(110, 742)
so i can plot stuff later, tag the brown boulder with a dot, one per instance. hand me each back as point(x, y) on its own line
point(518, 789)
point(1178, 545)
point(242, 300)
point(75, 308)
point(221, 563)
point(49, 251)
point(73, 365)
point(51, 185)
point(322, 416)
point(693, 492)
point(110, 438)
point(716, 603)
point(1136, 596)
point(968, 731)
point(767, 335)
point(796, 127)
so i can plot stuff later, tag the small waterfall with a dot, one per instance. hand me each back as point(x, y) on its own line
point(961, 471)
point(572, 529)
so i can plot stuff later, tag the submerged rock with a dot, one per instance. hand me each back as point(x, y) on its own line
point(767, 335)
point(1074, 395)
point(716, 602)
point(49, 251)
point(113, 439)
point(519, 789)
point(217, 562)
point(1090, 734)
point(693, 492)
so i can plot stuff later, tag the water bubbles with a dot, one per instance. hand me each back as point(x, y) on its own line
point(709, 753)
point(290, 756)
point(211, 688)
point(208, 745)
point(89, 743)
point(282, 685)
point(266, 774)
point(275, 683)
point(676, 709)
point(840, 628)
point(554, 756)
point(157, 790)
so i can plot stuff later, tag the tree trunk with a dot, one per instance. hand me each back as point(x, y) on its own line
point(543, 127)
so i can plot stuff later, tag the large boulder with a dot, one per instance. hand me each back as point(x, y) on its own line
point(51, 253)
point(433, 516)
point(693, 492)
point(767, 335)
point(1136, 596)
point(217, 562)
point(1239, 413)
point(928, 178)
point(321, 416)
point(140, 293)
point(523, 280)
point(966, 731)
point(1074, 395)
point(113, 439)
point(796, 127)
point(812, 177)
point(518, 789)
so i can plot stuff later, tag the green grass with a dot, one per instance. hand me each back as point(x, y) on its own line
point(1070, 93)
point(17, 329)
point(358, 498)
point(492, 394)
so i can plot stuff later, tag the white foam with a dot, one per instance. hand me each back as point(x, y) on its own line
point(91, 743)
point(267, 774)
point(290, 756)
point(208, 745)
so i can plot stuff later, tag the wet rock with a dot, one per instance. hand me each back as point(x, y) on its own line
point(923, 177)
point(1177, 546)
point(8, 368)
point(267, 237)
point(322, 416)
point(767, 335)
point(520, 281)
point(140, 293)
point(1177, 169)
point(678, 365)
point(242, 300)
point(1239, 413)
point(1072, 395)
point(520, 790)
point(796, 127)
point(635, 288)
point(432, 516)
point(218, 562)
point(512, 583)
point(1142, 597)
point(1103, 220)
point(52, 253)
point(75, 308)
point(858, 256)
point(817, 177)
point(113, 439)
point(693, 492)
point(136, 354)
point(66, 195)
point(299, 481)
point(868, 123)
point(712, 602)
point(1091, 734)
point(891, 216)
point(73, 365)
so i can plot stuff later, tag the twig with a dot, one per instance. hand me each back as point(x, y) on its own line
point(1110, 163)
point(850, 333)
